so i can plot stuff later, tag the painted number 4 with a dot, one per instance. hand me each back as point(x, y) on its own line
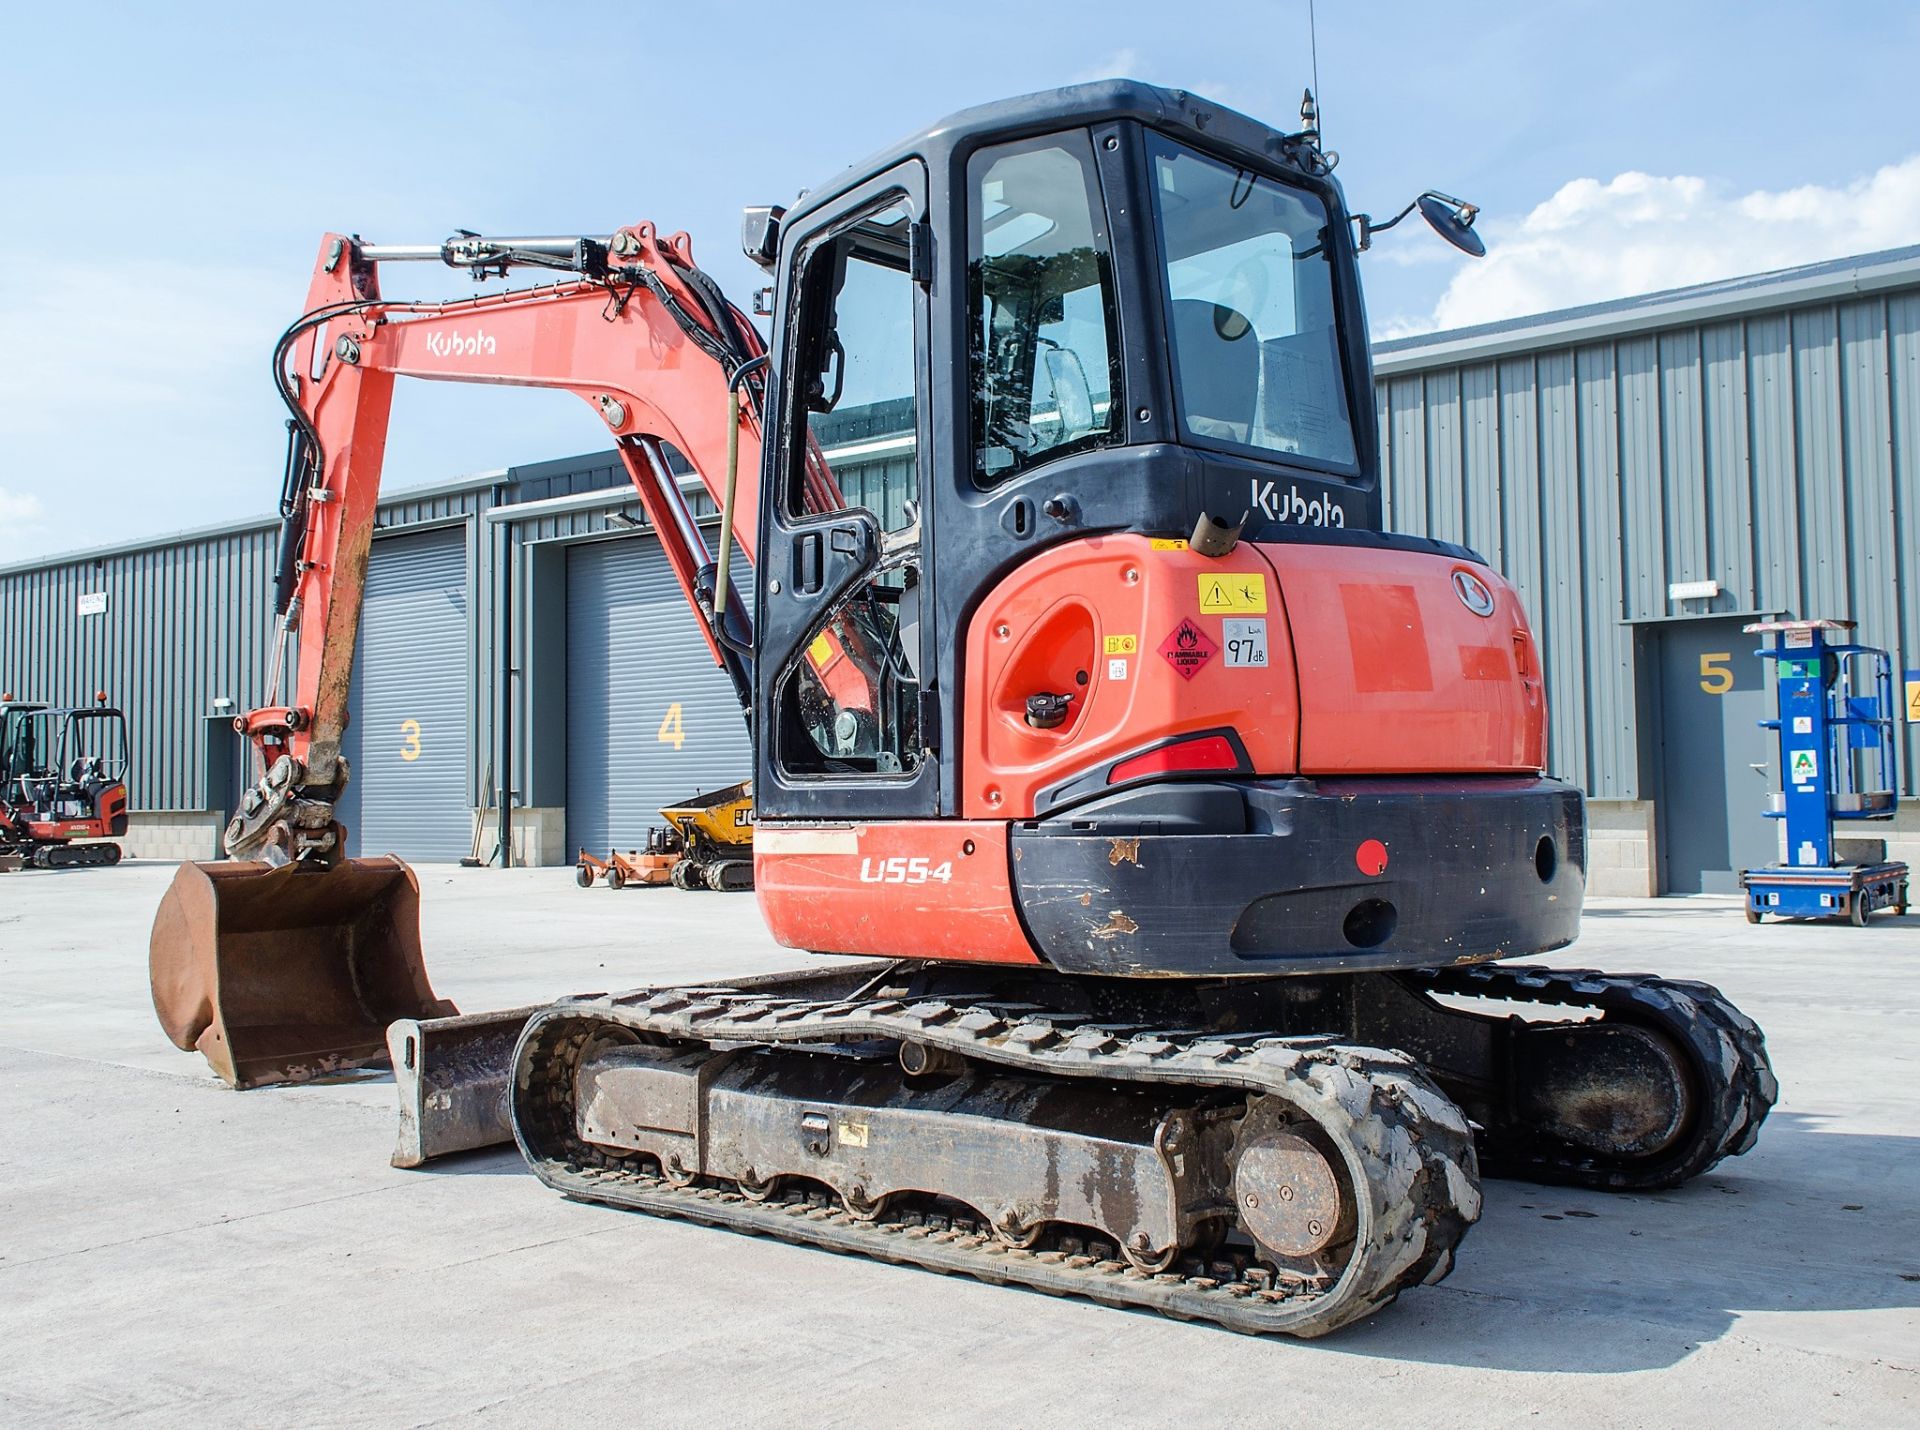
point(672, 732)
point(905, 871)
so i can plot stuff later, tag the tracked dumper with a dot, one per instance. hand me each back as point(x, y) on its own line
point(1193, 819)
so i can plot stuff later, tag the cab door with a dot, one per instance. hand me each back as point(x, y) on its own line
point(847, 714)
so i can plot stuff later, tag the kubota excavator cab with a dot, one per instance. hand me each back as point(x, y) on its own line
point(1156, 694)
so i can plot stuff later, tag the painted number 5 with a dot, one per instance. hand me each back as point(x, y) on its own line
point(672, 732)
point(409, 740)
point(1716, 676)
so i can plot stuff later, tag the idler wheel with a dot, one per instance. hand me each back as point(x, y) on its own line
point(1287, 1188)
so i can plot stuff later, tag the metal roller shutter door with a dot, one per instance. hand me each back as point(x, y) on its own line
point(633, 654)
point(409, 738)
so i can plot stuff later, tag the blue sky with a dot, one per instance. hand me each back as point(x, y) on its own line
point(166, 172)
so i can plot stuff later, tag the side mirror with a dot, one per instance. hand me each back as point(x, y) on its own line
point(760, 234)
point(1072, 393)
point(1453, 221)
point(1449, 217)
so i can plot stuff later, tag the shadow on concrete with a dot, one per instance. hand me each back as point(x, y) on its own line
point(1583, 1282)
point(1560, 1280)
point(503, 1161)
point(1730, 914)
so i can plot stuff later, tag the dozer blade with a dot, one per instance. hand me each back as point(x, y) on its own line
point(452, 1075)
point(291, 973)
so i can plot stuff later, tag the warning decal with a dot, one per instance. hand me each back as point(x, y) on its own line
point(1188, 648)
point(1246, 641)
point(1913, 697)
point(1233, 592)
point(1805, 766)
point(1123, 645)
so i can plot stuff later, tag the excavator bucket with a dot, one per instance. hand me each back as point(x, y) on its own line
point(291, 973)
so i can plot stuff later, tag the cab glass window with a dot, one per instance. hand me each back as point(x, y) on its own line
point(853, 702)
point(859, 371)
point(1252, 321)
point(1043, 342)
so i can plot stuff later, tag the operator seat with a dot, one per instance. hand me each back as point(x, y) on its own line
point(1219, 376)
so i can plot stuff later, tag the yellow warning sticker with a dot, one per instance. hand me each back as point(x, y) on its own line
point(852, 1134)
point(1233, 591)
point(1123, 645)
point(1162, 544)
point(1913, 696)
point(820, 652)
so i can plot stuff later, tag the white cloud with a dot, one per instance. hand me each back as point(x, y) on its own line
point(1641, 233)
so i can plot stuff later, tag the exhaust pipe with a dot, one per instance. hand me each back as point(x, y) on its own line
point(289, 973)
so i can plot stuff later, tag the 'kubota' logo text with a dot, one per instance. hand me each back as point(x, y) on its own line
point(1289, 505)
point(458, 344)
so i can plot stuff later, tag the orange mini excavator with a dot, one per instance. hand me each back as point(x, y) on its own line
point(63, 778)
point(1177, 808)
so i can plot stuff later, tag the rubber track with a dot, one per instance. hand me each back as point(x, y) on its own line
point(75, 856)
point(1405, 1143)
point(1726, 1048)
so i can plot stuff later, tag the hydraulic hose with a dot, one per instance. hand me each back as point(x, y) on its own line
point(720, 584)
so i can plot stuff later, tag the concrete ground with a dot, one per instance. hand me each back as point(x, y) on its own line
point(173, 1252)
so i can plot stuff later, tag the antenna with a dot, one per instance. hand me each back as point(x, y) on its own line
point(1313, 47)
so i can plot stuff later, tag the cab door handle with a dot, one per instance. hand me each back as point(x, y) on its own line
point(806, 564)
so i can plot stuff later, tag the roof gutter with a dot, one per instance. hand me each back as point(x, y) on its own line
point(1578, 326)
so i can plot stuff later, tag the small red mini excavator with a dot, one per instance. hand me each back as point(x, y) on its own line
point(63, 778)
point(1183, 815)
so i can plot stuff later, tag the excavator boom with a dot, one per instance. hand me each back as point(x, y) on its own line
point(291, 962)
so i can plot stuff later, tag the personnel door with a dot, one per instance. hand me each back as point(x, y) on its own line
point(1713, 765)
point(844, 672)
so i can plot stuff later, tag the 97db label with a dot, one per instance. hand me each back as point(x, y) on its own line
point(1246, 642)
point(899, 870)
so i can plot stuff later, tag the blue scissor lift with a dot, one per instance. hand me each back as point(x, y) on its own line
point(1837, 762)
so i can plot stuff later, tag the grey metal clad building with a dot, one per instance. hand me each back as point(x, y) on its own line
point(605, 706)
point(178, 631)
point(1652, 474)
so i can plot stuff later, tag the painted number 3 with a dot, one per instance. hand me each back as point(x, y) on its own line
point(1716, 677)
point(409, 740)
point(672, 732)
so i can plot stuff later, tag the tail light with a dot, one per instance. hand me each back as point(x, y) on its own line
point(1197, 754)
